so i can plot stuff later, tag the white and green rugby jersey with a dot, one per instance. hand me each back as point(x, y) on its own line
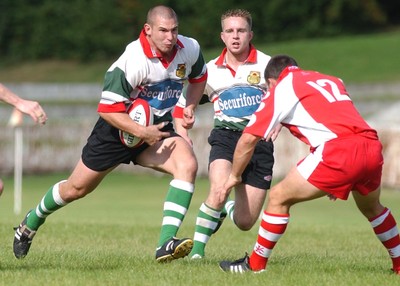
point(236, 95)
point(142, 73)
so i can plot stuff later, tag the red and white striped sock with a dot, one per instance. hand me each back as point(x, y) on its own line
point(271, 229)
point(385, 228)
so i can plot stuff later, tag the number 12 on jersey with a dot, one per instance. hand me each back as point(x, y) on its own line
point(329, 90)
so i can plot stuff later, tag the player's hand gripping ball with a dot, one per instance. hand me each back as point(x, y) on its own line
point(140, 112)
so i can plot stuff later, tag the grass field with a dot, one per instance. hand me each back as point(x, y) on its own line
point(109, 238)
point(356, 59)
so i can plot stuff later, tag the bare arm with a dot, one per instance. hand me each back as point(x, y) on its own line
point(193, 96)
point(183, 132)
point(32, 108)
point(274, 132)
point(241, 158)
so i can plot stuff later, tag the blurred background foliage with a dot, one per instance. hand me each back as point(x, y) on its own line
point(89, 30)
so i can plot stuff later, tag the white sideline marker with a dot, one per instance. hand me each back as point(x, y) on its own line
point(16, 121)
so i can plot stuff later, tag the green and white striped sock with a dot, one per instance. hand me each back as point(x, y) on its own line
point(175, 207)
point(206, 223)
point(229, 208)
point(51, 202)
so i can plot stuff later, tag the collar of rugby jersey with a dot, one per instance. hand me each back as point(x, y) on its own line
point(151, 53)
point(287, 70)
point(252, 58)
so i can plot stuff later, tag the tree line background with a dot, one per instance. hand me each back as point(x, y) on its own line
point(87, 30)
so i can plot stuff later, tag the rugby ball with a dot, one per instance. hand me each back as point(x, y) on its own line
point(140, 112)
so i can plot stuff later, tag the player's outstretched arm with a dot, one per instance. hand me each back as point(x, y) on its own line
point(32, 108)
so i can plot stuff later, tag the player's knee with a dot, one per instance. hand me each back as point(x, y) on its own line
point(244, 225)
point(216, 199)
point(72, 193)
point(275, 197)
point(244, 222)
point(188, 165)
point(193, 165)
point(371, 210)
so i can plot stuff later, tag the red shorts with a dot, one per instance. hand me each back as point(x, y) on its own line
point(344, 164)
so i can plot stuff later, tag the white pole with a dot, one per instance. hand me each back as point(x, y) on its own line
point(16, 121)
point(18, 151)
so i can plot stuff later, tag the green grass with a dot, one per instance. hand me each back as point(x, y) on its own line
point(109, 238)
point(356, 59)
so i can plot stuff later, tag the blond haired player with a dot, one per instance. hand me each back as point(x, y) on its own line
point(235, 86)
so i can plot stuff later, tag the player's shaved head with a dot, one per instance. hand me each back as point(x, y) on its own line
point(161, 30)
point(161, 11)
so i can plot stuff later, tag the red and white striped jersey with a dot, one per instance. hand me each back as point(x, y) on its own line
point(315, 107)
